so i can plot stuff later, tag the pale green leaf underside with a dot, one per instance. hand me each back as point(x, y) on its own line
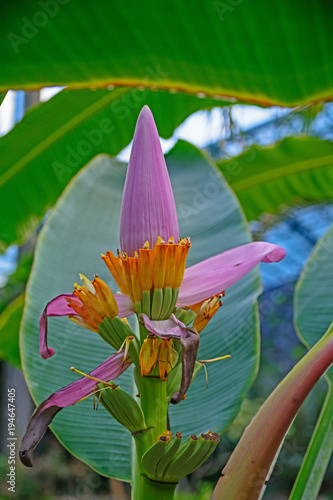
point(56, 138)
point(276, 52)
point(313, 305)
point(84, 223)
point(296, 171)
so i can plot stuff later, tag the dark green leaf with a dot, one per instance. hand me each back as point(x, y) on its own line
point(276, 52)
point(296, 171)
point(10, 320)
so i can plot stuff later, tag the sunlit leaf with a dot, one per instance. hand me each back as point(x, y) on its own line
point(276, 52)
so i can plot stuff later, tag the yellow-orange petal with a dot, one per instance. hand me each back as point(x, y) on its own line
point(170, 271)
point(106, 297)
point(181, 256)
point(133, 266)
point(115, 267)
point(148, 355)
point(159, 264)
point(145, 268)
point(167, 358)
point(207, 310)
point(125, 262)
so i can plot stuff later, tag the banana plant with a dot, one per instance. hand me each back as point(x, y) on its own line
point(172, 304)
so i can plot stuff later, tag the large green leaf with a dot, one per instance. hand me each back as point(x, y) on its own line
point(313, 311)
point(294, 171)
point(55, 139)
point(84, 223)
point(313, 306)
point(10, 320)
point(276, 52)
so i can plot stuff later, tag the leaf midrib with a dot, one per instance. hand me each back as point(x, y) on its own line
point(58, 133)
point(280, 172)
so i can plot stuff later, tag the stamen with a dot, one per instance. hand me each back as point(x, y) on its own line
point(160, 241)
point(126, 343)
point(215, 359)
point(203, 361)
point(87, 283)
point(92, 394)
point(72, 369)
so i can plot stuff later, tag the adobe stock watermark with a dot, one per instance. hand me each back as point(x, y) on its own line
point(30, 27)
point(222, 8)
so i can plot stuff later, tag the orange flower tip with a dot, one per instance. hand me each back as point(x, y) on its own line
point(136, 255)
point(146, 245)
point(171, 240)
point(167, 434)
point(103, 256)
point(88, 284)
point(160, 241)
point(185, 242)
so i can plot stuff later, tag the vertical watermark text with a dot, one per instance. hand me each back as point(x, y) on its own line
point(11, 440)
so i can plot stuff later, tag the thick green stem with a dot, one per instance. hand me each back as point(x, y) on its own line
point(154, 404)
point(156, 491)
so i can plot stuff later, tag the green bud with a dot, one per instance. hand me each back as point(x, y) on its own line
point(184, 453)
point(175, 293)
point(114, 331)
point(205, 447)
point(153, 455)
point(122, 407)
point(191, 456)
point(171, 450)
point(167, 298)
point(145, 302)
point(157, 302)
point(185, 317)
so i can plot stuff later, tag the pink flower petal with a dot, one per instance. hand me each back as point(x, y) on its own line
point(166, 328)
point(214, 275)
point(60, 307)
point(69, 395)
point(57, 307)
point(125, 305)
point(110, 369)
point(148, 207)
